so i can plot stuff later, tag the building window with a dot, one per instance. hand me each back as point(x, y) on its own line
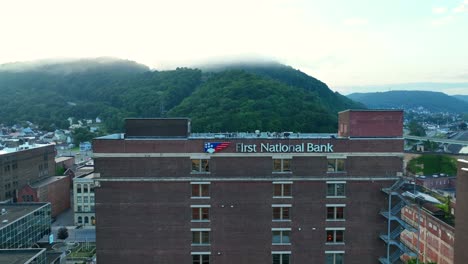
point(334, 257)
point(200, 258)
point(86, 208)
point(281, 212)
point(335, 235)
point(85, 199)
point(282, 189)
point(201, 237)
point(78, 199)
point(200, 190)
point(281, 257)
point(86, 220)
point(335, 189)
point(85, 188)
point(91, 199)
point(336, 165)
point(281, 236)
point(78, 188)
point(91, 188)
point(200, 213)
point(200, 165)
point(281, 165)
point(79, 208)
point(80, 220)
point(335, 211)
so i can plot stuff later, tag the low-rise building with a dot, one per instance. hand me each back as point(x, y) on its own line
point(436, 237)
point(55, 190)
point(64, 162)
point(23, 224)
point(24, 256)
point(83, 200)
point(437, 181)
point(24, 164)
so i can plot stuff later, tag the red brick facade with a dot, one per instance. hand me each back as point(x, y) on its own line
point(144, 202)
point(23, 167)
point(437, 238)
point(57, 193)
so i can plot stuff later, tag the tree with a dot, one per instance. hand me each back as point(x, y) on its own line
point(463, 126)
point(416, 129)
point(62, 233)
point(413, 261)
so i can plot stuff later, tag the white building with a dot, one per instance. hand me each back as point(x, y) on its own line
point(83, 200)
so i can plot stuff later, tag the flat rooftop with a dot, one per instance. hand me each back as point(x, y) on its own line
point(62, 159)
point(17, 211)
point(22, 148)
point(46, 181)
point(88, 176)
point(19, 256)
point(236, 135)
point(85, 170)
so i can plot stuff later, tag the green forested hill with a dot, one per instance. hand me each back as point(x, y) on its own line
point(267, 97)
point(432, 101)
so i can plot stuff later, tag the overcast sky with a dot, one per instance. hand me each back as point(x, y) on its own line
point(343, 43)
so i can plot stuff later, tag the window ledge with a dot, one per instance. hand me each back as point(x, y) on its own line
point(200, 172)
point(201, 245)
point(282, 197)
point(339, 172)
point(281, 244)
point(334, 197)
point(282, 172)
point(200, 221)
point(281, 220)
point(336, 220)
point(334, 243)
point(200, 197)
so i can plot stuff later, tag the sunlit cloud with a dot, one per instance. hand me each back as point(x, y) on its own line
point(439, 10)
point(442, 21)
point(463, 7)
point(355, 21)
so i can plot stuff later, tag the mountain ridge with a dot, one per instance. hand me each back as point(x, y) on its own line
point(409, 99)
point(118, 89)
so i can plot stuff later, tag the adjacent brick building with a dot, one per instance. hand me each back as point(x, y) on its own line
point(55, 190)
point(461, 219)
point(165, 195)
point(22, 165)
point(436, 237)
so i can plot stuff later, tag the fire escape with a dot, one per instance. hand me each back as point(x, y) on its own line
point(395, 248)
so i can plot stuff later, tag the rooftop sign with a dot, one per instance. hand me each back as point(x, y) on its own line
point(283, 148)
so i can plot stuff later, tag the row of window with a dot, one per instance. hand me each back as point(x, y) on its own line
point(8, 168)
point(279, 165)
point(85, 208)
point(85, 199)
point(87, 220)
point(201, 213)
point(280, 236)
point(280, 190)
point(85, 188)
point(278, 257)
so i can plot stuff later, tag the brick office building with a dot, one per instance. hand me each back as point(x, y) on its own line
point(461, 219)
point(166, 195)
point(22, 165)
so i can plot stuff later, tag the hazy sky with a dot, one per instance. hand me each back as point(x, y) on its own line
point(343, 43)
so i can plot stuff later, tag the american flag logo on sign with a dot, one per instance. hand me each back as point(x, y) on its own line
point(212, 147)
